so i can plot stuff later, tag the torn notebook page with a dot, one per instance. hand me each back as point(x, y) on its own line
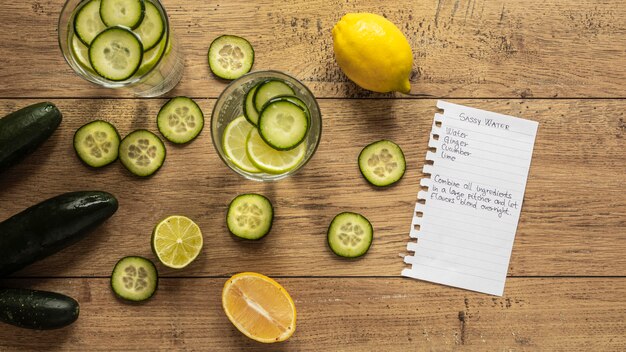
point(466, 220)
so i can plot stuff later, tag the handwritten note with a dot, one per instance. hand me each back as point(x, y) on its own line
point(466, 218)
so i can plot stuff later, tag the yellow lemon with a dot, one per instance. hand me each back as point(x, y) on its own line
point(373, 52)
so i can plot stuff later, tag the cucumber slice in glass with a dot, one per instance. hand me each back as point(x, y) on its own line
point(382, 163)
point(87, 22)
point(97, 143)
point(283, 124)
point(270, 89)
point(151, 29)
point(127, 13)
point(350, 235)
point(116, 54)
point(142, 153)
point(180, 120)
point(134, 278)
point(250, 216)
point(230, 56)
point(249, 110)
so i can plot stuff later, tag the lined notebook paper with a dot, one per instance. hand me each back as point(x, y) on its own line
point(465, 222)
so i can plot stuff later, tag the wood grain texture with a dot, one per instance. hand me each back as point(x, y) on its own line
point(573, 220)
point(462, 48)
point(344, 314)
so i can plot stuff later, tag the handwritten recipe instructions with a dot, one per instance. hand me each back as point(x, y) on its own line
point(465, 221)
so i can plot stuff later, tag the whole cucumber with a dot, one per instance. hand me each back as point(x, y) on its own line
point(37, 309)
point(50, 226)
point(22, 131)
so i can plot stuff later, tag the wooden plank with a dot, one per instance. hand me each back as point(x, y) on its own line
point(468, 48)
point(345, 314)
point(572, 213)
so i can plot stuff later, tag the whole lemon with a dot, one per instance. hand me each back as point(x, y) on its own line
point(373, 52)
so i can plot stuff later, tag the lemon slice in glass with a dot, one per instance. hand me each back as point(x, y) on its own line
point(271, 160)
point(234, 143)
point(176, 241)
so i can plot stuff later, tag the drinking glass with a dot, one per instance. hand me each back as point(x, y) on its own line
point(229, 106)
point(161, 69)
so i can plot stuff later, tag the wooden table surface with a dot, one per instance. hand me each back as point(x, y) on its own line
point(559, 62)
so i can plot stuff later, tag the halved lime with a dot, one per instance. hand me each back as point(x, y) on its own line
point(234, 143)
point(269, 159)
point(81, 54)
point(176, 241)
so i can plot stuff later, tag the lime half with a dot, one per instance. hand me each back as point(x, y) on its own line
point(269, 159)
point(176, 241)
point(81, 53)
point(234, 143)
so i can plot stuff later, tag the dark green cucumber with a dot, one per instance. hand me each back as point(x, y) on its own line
point(39, 310)
point(22, 131)
point(50, 226)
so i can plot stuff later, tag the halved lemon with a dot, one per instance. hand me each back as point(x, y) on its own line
point(176, 241)
point(234, 143)
point(259, 307)
point(269, 159)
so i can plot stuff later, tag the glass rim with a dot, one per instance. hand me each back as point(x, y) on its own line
point(272, 177)
point(99, 79)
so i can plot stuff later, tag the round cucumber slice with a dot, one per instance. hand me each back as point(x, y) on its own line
point(230, 57)
point(382, 163)
point(87, 22)
point(180, 120)
point(283, 124)
point(134, 278)
point(116, 54)
point(142, 153)
point(127, 13)
point(350, 235)
point(152, 28)
point(250, 216)
point(97, 143)
point(270, 89)
point(249, 110)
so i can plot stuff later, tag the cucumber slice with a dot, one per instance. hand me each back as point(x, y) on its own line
point(350, 235)
point(116, 54)
point(283, 124)
point(134, 278)
point(382, 163)
point(249, 110)
point(87, 22)
point(270, 89)
point(291, 98)
point(142, 153)
point(230, 57)
point(97, 143)
point(127, 13)
point(250, 216)
point(151, 29)
point(180, 120)
point(81, 53)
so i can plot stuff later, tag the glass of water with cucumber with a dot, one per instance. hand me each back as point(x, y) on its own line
point(121, 44)
point(266, 125)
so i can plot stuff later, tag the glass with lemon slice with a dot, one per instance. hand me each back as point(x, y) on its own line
point(246, 148)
